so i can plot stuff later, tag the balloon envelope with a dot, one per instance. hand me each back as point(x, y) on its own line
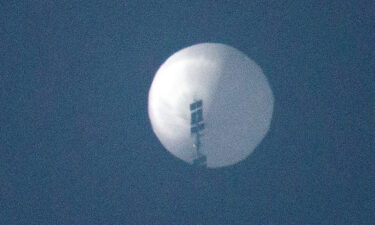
point(237, 103)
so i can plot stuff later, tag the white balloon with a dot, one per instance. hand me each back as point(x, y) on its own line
point(237, 103)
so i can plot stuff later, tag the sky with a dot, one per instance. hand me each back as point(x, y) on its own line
point(76, 143)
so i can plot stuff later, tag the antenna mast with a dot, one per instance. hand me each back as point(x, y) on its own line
point(197, 125)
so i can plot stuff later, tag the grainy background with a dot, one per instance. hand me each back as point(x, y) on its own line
point(76, 145)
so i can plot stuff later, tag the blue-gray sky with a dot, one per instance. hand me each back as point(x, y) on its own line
point(76, 145)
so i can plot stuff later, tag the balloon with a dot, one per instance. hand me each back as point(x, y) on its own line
point(236, 104)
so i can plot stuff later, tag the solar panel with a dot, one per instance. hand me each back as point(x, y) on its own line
point(193, 106)
point(196, 105)
point(195, 129)
point(196, 116)
point(199, 104)
point(197, 125)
